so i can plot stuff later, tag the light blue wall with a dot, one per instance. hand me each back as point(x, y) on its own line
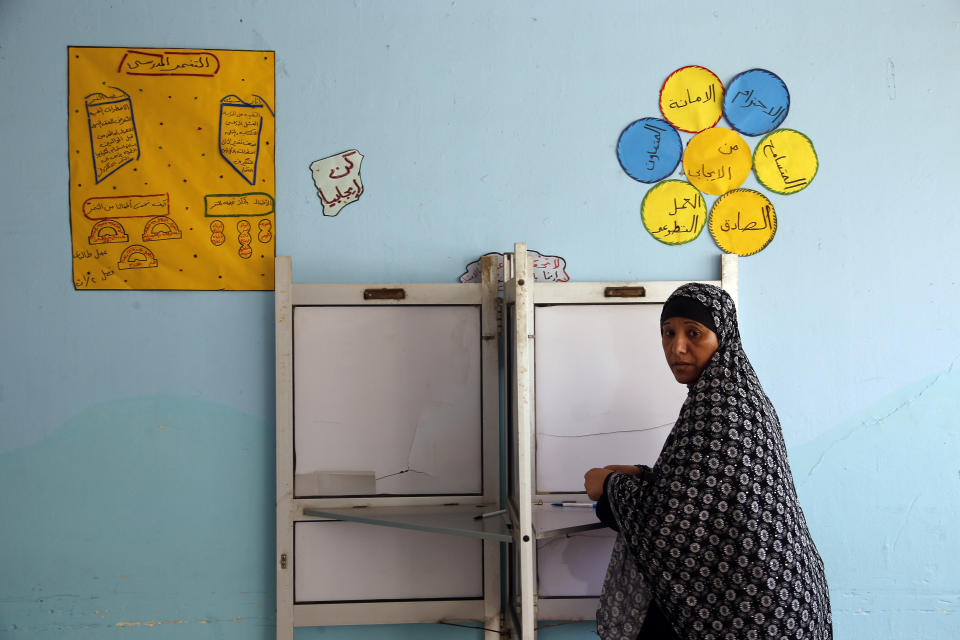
point(136, 429)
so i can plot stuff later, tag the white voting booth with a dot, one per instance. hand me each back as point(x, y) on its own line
point(388, 443)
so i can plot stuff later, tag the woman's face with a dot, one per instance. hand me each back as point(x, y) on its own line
point(688, 347)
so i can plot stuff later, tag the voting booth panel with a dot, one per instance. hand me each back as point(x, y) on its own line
point(573, 565)
point(602, 390)
point(359, 369)
point(387, 447)
point(398, 564)
point(599, 393)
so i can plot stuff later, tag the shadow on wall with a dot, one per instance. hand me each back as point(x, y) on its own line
point(880, 494)
point(151, 513)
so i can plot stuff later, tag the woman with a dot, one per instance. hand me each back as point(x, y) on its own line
point(712, 543)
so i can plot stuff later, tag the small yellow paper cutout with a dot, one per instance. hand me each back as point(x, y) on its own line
point(674, 212)
point(691, 99)
point(743, 222)
point(785, 161)
point(717, 160)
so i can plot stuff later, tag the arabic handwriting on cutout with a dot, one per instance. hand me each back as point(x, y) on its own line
point(749, 101)
point(695, 203)
point(338, 172)
point(765, 214)
point(708, 96)
point(668, 231)
point(770, 152)
point(348, 165)
point(653, 153)
point(242, 124)
point(113, 132)
point(162, 63)
point(347, 195)
point(337, 179)
point(724, 171)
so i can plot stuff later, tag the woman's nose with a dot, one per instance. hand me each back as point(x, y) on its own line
point(679, 345)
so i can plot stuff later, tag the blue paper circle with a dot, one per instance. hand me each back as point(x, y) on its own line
point(649, 149)
point(756, 102)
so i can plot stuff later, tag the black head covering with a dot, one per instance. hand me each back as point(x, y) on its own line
point(714, 531)
point(684, 307)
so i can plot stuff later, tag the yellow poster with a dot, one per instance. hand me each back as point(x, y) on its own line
point(171, 168)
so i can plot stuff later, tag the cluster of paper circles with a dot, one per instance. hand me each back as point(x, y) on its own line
point(717, 160)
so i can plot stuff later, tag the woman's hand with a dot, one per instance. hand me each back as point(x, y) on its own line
point(593, 482)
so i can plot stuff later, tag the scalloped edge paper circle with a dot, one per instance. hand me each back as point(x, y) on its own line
point(785, 161)
point(717, 160)
point(757, 102)
point(691, 99)
point(674, 212)
point(743, 222)
point(649, 149)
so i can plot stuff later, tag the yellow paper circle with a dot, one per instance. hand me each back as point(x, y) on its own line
point(743, 222)
point(674, 212)
point(691, 99)
point(717, 160)
point(785, 161)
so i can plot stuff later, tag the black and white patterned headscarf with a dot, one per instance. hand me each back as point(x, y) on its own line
point(714, 531)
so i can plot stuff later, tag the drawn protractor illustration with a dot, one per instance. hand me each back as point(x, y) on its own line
point(105, 231)
point(161, 228)
point(137, 256)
